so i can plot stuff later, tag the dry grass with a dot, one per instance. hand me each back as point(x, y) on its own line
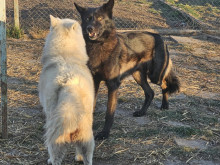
point(193, 114)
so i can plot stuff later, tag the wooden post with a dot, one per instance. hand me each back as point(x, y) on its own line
point(3, 68)
point(16, 14)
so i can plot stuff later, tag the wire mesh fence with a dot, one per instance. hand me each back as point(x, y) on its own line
point(132, 14)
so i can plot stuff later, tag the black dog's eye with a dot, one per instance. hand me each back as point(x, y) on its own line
point(89, 18)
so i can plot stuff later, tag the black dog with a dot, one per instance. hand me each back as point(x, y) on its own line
point(113, 56)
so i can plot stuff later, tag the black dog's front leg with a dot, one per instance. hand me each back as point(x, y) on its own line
point(109, 117)
point(97, 81)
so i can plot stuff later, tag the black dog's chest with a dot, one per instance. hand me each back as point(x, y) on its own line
point(102, 61)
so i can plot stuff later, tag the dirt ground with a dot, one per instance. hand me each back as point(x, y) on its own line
point(187, 133)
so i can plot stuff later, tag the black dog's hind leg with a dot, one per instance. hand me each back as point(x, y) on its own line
point(141, 79)
point(165, 103)
point(109, 117)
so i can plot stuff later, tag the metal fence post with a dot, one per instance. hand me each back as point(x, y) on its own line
point(3, 68)
point(16, 14)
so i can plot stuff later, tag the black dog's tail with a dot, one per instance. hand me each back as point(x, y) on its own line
point(160, 68)
point(172, 83)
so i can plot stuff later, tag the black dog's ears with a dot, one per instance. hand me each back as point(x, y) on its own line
point(80, 9)
point(108, 7)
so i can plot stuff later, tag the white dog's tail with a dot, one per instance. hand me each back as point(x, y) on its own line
point(63, 122)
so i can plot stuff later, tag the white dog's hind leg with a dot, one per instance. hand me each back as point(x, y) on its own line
point(56, 153)
point(78, 157)
point(85, 151)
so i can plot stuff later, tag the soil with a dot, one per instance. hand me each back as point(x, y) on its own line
point(193, 116)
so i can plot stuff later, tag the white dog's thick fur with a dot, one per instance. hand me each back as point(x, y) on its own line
point(66, 92)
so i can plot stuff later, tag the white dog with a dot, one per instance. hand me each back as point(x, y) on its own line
point(66, 92)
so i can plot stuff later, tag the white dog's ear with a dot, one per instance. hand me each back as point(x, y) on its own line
point(75, 25)
point(53, 21)
point(71, 26)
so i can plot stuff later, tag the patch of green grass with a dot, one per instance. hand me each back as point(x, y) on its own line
point(40, 127)
point(167, 114)
point(202, 118)
point(152, 10)
point(173, 2)
point(208, 120)
point(163, 131)
point(201, 10)
point(211, 153)
point(166, 11)
point(141, 1)
point(182, 152)
point(98, 120)
point(147, 132)
point(212, 102)
point(190, 9)
point(184, 131)
point(14, 32)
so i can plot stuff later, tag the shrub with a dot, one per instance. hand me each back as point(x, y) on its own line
point(14, 32)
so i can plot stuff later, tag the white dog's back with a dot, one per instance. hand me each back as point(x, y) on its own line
point(66, 90)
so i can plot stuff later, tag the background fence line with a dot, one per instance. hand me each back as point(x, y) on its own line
point(128, 15)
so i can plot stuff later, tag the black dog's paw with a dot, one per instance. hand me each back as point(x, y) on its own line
point(164, 106)
point(102, 135)
point(139, 113)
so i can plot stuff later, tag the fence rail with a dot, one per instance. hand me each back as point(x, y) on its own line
point(132, 14)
